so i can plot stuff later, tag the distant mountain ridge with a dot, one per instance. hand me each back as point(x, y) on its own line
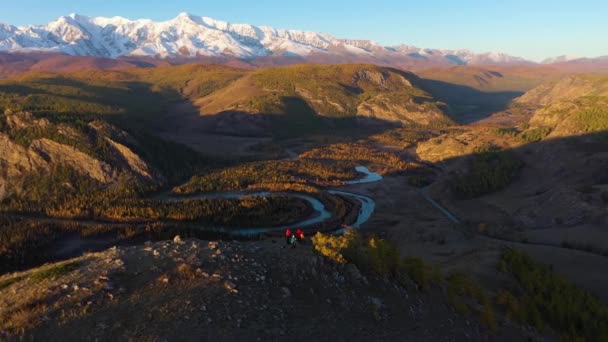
point(189, 36)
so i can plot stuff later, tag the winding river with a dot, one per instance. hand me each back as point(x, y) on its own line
point(321, 213)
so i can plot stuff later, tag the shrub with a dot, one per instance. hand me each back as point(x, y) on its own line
point(382, 258)
point(403, 137)
point(506, 131)
point(54, 271)
point(511, 304)
point(185, 272)
point(359, 153)
point(422, 274)
point(8, 282)
point(489, 171)
point(594, 116)
point(535, 134)
point(332, 247)
point(377, 256)
point(465, 294)
point(420, 181)
point(270, 173)
point(374, 255)
point(548, 298)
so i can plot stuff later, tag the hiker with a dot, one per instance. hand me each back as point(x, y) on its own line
point(300, 235)
point(292, 238)
point(293, 241)
point(288, 235)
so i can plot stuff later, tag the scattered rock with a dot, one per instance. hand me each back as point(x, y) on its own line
point(376, 302)
point(285, 292)
point(178, 240)
point(355, 275)
point(230, 286)
point(377, 308)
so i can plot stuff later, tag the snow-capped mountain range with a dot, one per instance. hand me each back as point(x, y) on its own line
point(192, 36)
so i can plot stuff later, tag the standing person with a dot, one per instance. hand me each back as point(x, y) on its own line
point(300, 235)
point(293, 241)
point(288, 235)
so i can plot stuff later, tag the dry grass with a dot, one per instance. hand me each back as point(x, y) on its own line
point(50, 292)
point(9, 281)
point(54, 271)
point(185, 272)
point(376, 256)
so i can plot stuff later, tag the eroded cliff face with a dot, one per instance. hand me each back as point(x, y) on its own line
point(381, 107)
point(15, 162)
point(50, 145)
point(55, 153)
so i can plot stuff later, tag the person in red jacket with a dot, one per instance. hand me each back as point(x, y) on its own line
point(300, 235)
point(288, 235)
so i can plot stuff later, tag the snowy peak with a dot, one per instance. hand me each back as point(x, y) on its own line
point(7, 31)
point(188, 35)
point(560, 59)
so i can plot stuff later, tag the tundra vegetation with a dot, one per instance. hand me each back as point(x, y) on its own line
point(489, 171)
point(380, 257)
point(543, 298)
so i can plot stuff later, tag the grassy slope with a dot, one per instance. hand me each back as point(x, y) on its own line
point(73, 100)
point(568, 88)
point(133, 98)
point(493, 78)
point(128, 98)
point(330, 90)
point(573, 105)
point(134, 92)
point(483, 90)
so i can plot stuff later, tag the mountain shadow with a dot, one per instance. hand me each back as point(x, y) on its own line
point(468, 104)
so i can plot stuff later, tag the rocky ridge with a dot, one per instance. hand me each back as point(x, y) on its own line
point(226, 290)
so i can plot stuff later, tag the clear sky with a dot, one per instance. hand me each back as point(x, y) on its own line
point(534, 29)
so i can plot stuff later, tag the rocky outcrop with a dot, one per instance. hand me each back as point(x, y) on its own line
point(18, 160)
point(381, 107)
point(23, 120)
point(225, 291)
point(15, 162)
point(378, 78)
point(374, 77)
point(134, 162)
point(105, 129)
point(59, 154)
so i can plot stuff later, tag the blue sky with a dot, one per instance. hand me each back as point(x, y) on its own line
point(533, 29)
